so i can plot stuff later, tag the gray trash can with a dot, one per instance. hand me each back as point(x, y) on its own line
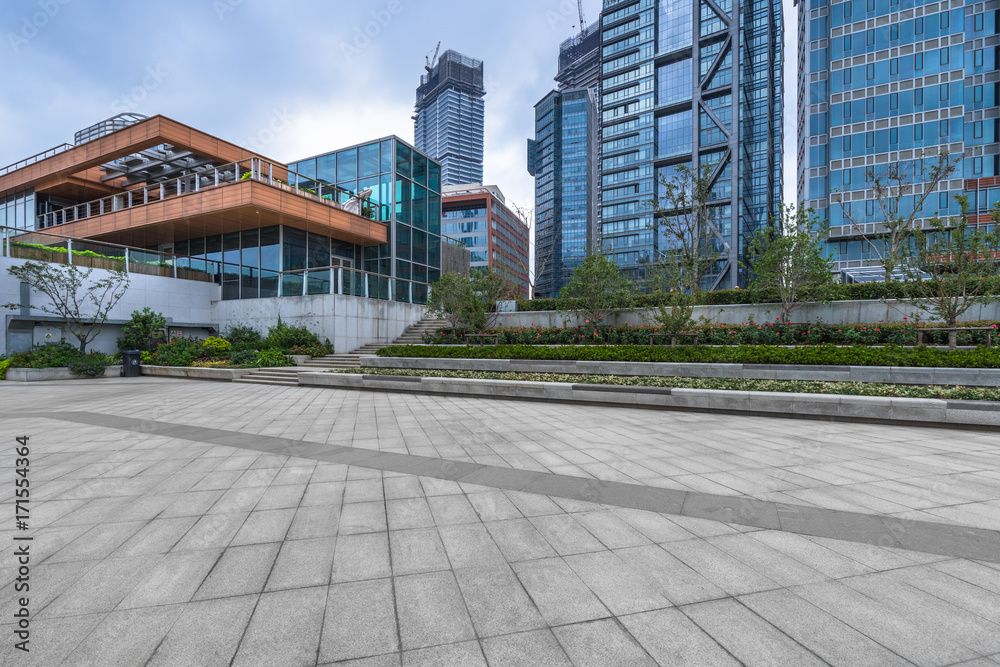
point(130, 363)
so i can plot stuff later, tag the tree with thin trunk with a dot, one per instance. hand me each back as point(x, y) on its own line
point(893, 187)
point(787, 263)
point(83, 304)
point(955, 267)
point(598, 288)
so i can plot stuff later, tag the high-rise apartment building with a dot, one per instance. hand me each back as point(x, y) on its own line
point(894, 82)
point(477, 217)
point(449, 121)
point(695, 82)
point(563, 158)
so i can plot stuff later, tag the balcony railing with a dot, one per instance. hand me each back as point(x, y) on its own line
point(35, 158)
point(207, 179)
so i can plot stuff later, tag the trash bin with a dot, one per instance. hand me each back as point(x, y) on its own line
point(130, 363)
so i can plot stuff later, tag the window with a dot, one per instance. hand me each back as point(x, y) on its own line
point(944, 56)
point(893, 101)
point(977, 165)
point(943, 91)
point(945, 20)
point(871, 5)
point(847, 12)
point(847, 43)
point(977, 21)
point(977, 94)
point(870, 71)
point(894, 31)
point(847, 109)
point(847, 77)
point(870, 105)
point(943, 129)
point(943, 201)
point(977, 129)
point(870, 207)
point(869, 140)
point(847, 144)
point(977, 58)
point(870, 38)
point(918, 26)
point(893, 136)
point(894, 66)
point(918, 97)
point(918, 61)
point(918, 132)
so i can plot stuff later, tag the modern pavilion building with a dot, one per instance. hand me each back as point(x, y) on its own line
point(695, 82)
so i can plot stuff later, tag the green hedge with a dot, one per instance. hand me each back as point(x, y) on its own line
point(855, 292)
point(819, 355)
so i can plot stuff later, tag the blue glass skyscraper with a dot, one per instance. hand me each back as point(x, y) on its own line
point(563, 158)
point(450, 117)
point(894, 82)
point(694, 82)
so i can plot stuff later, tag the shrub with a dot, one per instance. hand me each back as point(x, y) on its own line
point(284, 337)
point(144, 357)
point(242, 337)
point(818, 355)
point(138, 330)
point(178, 352)
point(272, 358)
point(217, 347)
point(243, 358)
point(89, 365)
point(3, 368)
point(50, 355)
point(312, 350)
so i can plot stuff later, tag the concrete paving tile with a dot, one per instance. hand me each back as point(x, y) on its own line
point(671, 638)
point(212, 531)
point(469, 545)
point(525, 648)
point(330, 472)
point(417, 550)
point(366, 517)
point(463, 654)
point(601, 644)
point(826, 561)
point(188, 643)
point(98, 542)
point(387, 660)
point(819, 632)
point(431, 611)
point(241, 570)
point(622, 588)
point(405, 513)
point(156, 537)
point(439, 487)
point(323, 493)
point(518, 540)
point(655, 527)
point(264, 526)
point(761, 558)
point(531, 504)
point(610, 530)
point(313, 522)
point(747, 636)
point(256, 477)
point(100, 588)
point(978, 574)
point(494, 506)
point(175, 579)
point(402, 487)
point(238, 500)
point(496, 600)
point(360, 557)
point(720, 568)
point(565, 534)
point(302, 564)
point(296, 475)
point(284, 629)
point(192, 503)
point(363, 490)
point(127, 637)
point(560, 595)
point(281, 497)
point(675, 580)
point(452, 509)
point(360, 621)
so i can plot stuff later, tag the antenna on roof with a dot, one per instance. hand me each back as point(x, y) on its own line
point(431, 62)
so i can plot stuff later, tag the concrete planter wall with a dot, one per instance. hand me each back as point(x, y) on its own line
point(59, 373)
point(219, 374)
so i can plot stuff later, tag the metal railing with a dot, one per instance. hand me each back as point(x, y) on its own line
point(35, 158)
point(57, 249)
point(214, 177)
point(351, 282)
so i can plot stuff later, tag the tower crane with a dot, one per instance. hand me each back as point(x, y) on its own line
point(431, 62)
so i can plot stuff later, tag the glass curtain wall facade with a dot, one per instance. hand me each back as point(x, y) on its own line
point(406, 193)
point(563, 158)
point(695, 82)
point(450, 117)
point(894, 81)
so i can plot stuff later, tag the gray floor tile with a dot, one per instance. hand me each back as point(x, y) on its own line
point(496, 600)
point(601, 644)
point(416, 551)
point(431, 611)
point(363, 517)
point(313, 522)
point(405, 513)
point(206, 633)
point(560, 595)
point(518, 539)
point(127, 637)
point(452, 509)
point(101, 588)
point(302, 564)
point(360, 557)
point(240, 570)
point(566, 535)
point(156, 537)
point(212, 531)
point(174, 579)
point(265, 526)
point(464, 654)
point(671, 638)
point(360, 621)
point(284, 629)
point(518, 650)
point(622, 588)
point(676, 581)
point(469, 545)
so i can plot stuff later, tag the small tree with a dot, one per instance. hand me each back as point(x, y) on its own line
point(674, 303)
point(137, 332)
point(955, 267)
point(72, 294)
point(453, 298)
point(681, 218)
point(489, 286)
point(787, 263)
point(893, 186)
point(599, 288)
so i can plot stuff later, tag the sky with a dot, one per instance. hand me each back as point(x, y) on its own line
point(288, 79)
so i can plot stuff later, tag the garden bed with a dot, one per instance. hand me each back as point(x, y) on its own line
point(56, 373)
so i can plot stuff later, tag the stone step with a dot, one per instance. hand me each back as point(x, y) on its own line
point(252, 380)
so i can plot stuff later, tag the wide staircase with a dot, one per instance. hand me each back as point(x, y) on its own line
point(288, 375)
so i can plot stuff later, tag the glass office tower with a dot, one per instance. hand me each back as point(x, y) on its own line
point(563, 158)
point(695, 82)
point(894, 81)
point(450, 117)
point(406, 193)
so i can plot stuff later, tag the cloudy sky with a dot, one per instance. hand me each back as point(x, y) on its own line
point(291, 78)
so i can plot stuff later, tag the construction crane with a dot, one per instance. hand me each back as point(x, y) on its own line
point(583, 21)
point(431, 62)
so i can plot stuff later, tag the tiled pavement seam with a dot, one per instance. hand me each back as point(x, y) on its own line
point(930, 537)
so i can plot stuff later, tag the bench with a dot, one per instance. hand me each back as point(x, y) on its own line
point(495, 338)
point(988, 330)
point(673, 337)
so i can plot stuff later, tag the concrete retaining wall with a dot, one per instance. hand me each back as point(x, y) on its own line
point(837, 312)
point(973, 377)
point(981, 415)
point(59, 373)
point(220, 374)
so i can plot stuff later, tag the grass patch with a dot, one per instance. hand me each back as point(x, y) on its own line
point(786, 386)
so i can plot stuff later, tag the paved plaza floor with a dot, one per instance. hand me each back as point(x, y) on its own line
point(180, 522)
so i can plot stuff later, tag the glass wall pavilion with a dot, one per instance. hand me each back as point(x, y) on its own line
point(894, 81)
point(694, 82)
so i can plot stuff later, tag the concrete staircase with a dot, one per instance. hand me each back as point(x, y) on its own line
point(288, 375)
